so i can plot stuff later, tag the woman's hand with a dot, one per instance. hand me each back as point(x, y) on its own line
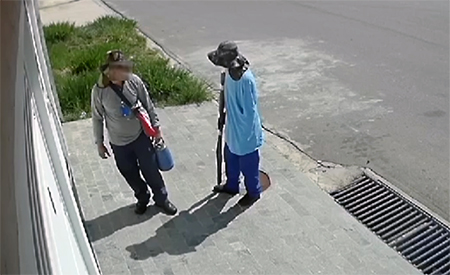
point(103, 151)
point(158, 133)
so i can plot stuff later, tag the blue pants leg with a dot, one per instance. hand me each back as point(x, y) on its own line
point(249, 165)
point(146, 156)
point(127, 163)
point(232, 170)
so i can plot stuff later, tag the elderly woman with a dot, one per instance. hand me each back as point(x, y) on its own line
point(133, 150)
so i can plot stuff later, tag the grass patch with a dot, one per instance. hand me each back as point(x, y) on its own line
point(76, 53)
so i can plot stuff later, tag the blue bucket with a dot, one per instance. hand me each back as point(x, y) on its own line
point(163, 156)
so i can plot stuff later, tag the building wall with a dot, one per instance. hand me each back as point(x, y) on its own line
point(41, 224)
point(10, 15)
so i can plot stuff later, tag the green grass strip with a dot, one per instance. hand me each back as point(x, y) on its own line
point(76, 54)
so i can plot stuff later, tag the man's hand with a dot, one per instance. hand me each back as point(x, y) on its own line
point(103, 151)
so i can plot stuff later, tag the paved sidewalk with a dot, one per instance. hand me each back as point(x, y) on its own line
point(296, 228)
point(78, 11)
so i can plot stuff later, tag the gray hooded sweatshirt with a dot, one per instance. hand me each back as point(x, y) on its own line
point(106, 107)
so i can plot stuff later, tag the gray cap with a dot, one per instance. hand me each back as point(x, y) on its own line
point(116, 58)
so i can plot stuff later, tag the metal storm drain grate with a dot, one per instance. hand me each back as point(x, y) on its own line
point(417, 236)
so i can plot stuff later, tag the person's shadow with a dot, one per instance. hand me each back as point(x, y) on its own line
point(105, 225)
point(190, 228)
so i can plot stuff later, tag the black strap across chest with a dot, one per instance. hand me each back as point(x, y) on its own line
point(119, 92)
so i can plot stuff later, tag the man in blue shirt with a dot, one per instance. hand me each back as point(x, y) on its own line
point(243, 129)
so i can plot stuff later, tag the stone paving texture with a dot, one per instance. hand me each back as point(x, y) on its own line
point(296, 228)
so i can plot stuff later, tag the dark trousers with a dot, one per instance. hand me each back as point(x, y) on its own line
point(139, 156)
point(248, 165)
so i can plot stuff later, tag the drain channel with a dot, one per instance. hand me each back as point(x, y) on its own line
point(417, 236)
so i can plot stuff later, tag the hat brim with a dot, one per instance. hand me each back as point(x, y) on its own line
point(212, 56)
point(122, 63)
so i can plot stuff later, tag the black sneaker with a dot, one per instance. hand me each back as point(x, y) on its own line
point(223, 189)
point(168, 208)
point(140, 208)
point(246, 200)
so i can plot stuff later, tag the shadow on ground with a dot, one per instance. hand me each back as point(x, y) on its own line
point(189, 229)
point(105, 225)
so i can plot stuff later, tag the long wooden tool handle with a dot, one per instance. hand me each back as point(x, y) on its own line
point(221, 120)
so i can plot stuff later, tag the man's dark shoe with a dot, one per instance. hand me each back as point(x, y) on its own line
point(168, 208)
point(140, 208)
point(246, 200)
point(223, 189)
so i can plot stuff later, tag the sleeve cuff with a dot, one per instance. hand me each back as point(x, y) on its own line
point(97, 142)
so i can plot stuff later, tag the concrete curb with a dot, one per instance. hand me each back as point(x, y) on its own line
point(151, 42)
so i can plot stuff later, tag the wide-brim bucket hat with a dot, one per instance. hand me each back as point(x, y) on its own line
point(226, 52)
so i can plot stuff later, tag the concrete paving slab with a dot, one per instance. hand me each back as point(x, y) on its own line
point(296, 228)
point(80, 12)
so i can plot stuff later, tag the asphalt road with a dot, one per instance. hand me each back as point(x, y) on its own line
point(351, 81)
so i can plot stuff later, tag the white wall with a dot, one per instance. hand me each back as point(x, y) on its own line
point(47, 225)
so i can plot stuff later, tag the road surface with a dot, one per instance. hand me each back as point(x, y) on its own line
point(353, 82)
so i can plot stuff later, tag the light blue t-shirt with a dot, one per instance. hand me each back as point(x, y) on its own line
point(243, 129)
